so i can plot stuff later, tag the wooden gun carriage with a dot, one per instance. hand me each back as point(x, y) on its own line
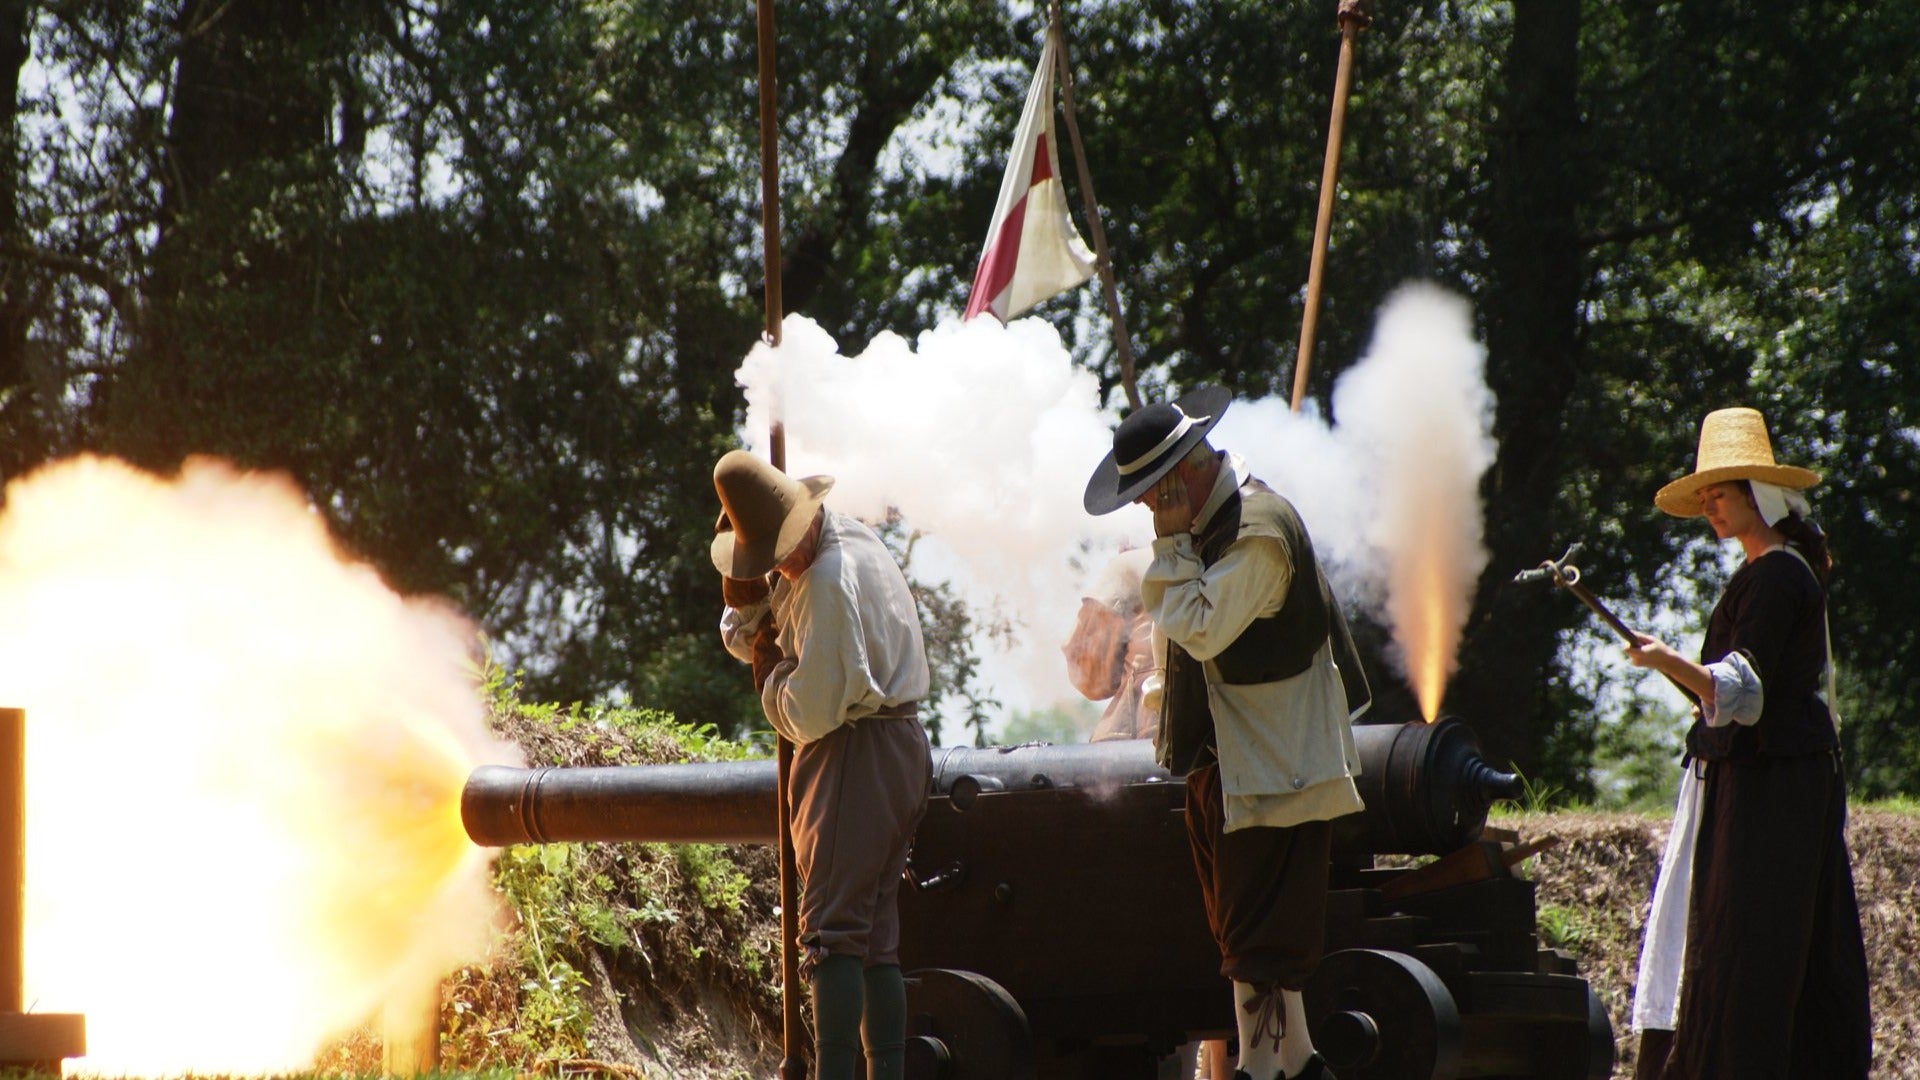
point(1054, 926)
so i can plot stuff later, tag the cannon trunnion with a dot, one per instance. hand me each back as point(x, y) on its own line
point(1054, 927)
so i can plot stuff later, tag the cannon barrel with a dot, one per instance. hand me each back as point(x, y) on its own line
point(1426, 787)
point(1053, 927)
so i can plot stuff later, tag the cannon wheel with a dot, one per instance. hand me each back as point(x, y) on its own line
point(963, 1026)
point(1379, 1015)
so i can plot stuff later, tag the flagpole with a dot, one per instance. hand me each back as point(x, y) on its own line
point(793, 1061)
point(1354, 16)
point(1100, 260)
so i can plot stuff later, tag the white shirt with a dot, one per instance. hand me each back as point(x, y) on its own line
point(849, 630)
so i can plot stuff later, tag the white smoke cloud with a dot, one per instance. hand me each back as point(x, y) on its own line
point(983, 437)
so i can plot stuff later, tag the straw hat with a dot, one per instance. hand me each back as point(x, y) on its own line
point(1149, 443)
point(764, 513)
point(1733, 446)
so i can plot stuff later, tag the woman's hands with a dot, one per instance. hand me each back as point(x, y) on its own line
point(1647, 651)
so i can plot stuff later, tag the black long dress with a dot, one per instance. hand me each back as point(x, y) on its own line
point(1775, 974)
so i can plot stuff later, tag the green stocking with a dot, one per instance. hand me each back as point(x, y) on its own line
point(884, 1028)
point(837, 990)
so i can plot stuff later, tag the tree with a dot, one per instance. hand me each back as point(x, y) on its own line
point(1626, 194)
point(476, 273)
point(481, 277)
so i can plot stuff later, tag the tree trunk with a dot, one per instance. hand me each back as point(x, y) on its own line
point(17, 407)
point(246, 91)
point(249, 122)
point(1532, 311)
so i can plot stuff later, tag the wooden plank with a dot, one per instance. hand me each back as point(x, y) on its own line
point(35, 1038)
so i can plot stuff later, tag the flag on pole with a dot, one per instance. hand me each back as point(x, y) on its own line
point(1032, 250)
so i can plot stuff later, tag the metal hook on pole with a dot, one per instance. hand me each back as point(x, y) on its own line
point(1565, 574)
point(1354, 16)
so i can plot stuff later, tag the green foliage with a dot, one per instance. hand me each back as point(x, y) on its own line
point(1561, 927)
point(1059, 724)
point(719, 883)
point(1907, 805)
point(1537, 796)
point(556, 918)
point(481, 280)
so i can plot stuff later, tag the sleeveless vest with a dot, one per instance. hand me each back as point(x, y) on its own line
point(1272, 648)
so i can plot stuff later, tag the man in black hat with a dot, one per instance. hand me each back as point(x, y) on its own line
point(1261, 686)
point(839, 662)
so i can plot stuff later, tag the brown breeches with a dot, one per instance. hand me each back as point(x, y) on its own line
point(858, 794)
point(1265, 888)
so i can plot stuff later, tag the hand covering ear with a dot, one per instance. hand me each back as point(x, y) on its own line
point(743, 592)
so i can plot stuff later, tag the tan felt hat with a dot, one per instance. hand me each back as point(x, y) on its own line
point(764, 513)
point(1733, 446)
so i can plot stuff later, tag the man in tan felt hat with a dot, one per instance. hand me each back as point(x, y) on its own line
point(1753, 964)
point(837, 657)
point(1261, 686)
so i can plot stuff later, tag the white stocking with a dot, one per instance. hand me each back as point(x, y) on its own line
point(1297, 1044)
point(1260, 1017)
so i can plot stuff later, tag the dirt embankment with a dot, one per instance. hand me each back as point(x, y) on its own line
point(1593, 888)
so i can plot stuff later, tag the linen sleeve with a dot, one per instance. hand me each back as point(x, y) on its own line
point(807, 695)
point(738, 625)
point(1204, 609)
point(1738, 696)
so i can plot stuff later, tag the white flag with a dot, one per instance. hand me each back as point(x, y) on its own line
point(1032, 250)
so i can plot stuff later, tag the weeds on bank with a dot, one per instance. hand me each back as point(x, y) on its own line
point(583, 914)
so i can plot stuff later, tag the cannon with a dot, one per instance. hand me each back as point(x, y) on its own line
point(1053, 928)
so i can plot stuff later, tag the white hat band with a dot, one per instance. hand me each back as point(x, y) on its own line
point(1185, 425)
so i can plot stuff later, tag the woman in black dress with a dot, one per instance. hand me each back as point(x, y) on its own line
point(1774, 979)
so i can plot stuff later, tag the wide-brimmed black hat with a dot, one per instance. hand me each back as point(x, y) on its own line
point(1149, 443)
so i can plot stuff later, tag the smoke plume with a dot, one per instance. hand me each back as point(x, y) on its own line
point(983, 436)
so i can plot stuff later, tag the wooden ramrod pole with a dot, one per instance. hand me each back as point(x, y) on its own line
point(793, 1040)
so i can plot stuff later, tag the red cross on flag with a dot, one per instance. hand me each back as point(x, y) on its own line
point(1032, 249)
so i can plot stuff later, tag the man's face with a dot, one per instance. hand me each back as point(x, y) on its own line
point(801, 557)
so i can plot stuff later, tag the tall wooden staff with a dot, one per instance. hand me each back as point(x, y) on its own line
point(793, 1061)
point(1101, 263)
point(1354, 16)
